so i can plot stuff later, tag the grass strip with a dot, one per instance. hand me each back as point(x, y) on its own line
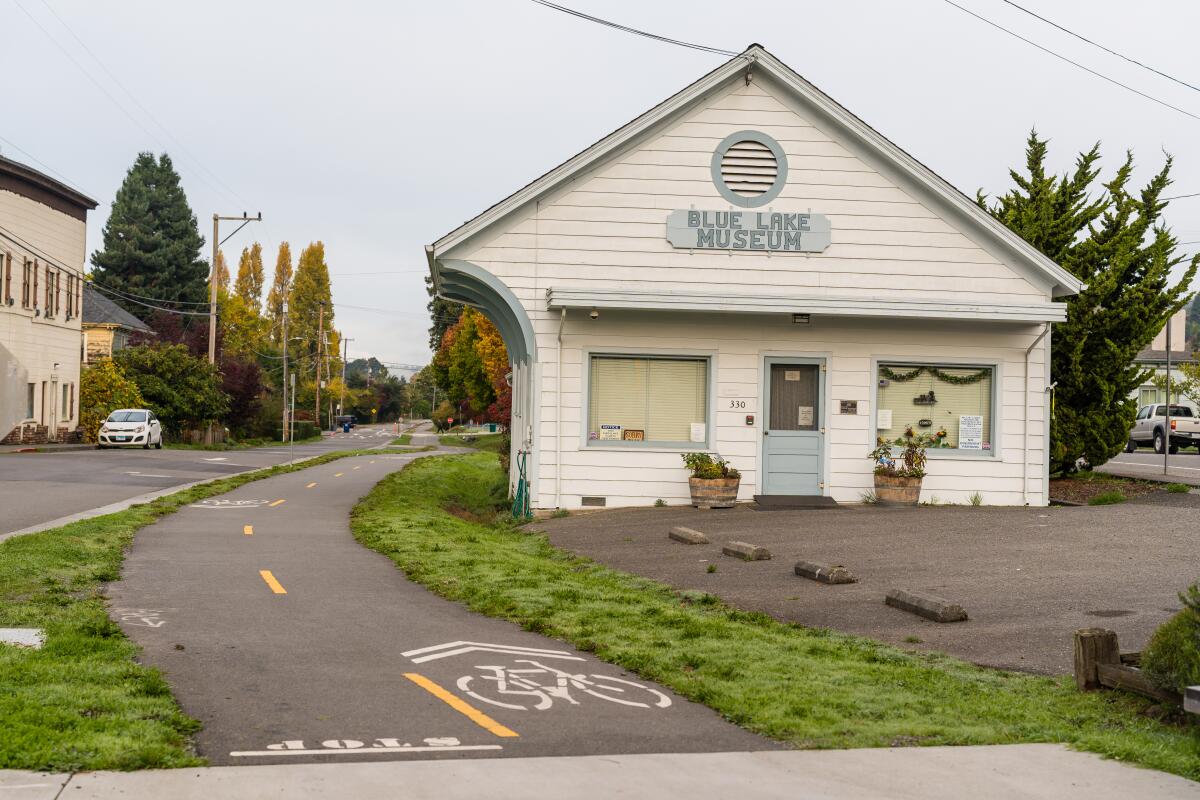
point(404, 438)
point(82, 702)
point(242, 444)
point(487, 442)
point(812, 688)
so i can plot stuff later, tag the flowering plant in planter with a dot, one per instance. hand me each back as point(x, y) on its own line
point(898, 478)
point(714, 482)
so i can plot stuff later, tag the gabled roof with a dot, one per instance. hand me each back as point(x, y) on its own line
point(99, 310)
point(913, 175)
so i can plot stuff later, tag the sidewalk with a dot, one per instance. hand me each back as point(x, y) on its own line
point(999, 772)
point(45, 448)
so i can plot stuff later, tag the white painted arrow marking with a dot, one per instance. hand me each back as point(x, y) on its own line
point(423, 654)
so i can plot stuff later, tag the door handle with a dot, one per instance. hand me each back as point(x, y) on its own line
point(766, 433)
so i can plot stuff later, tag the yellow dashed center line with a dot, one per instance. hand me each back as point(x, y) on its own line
point(275, 585)
point(461, 706)
point(277, 502)
point(248, 530)
point(314, 483)
point(338, 474)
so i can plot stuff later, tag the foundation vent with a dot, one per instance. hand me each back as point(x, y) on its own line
point(749, 168)
point(595, 502)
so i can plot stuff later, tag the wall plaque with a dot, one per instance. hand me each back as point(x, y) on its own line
point(849, 406)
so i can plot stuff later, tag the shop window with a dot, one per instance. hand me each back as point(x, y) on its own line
point(954, 404)
point(648, 401)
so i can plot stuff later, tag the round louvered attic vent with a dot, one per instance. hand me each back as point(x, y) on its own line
point(749, 168)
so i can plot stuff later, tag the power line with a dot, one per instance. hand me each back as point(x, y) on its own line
point(1069, 61)
point(175, 311)
point(627, 29)
point(41, 163)
point(1182, 196)
point(1097, 44)
point(88, 74)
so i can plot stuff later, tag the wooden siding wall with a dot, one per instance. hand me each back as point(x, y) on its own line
point(607, 230)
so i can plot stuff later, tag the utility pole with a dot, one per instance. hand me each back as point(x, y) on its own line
point(345, 354)
point(1167, 423)
point(217, 241)
point(320, 341)
point(245, 219)
point(284, 430)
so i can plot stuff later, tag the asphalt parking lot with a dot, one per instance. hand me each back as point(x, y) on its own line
point(1028, 577)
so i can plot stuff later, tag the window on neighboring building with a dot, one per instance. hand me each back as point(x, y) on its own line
point(952, 403)
point(648, 400)
point(49, 307)
point(8, 298)
point(29, 398)
point(70, 295)
point(66, 404)
point(29, 269)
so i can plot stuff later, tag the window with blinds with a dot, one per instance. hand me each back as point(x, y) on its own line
point(647, 400)
point(941, 401)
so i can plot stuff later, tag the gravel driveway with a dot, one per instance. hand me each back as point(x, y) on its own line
point(1028, 577)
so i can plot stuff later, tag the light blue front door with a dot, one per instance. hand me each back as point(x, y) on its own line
point(793, 427)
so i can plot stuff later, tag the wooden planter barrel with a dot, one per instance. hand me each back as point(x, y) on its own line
point(714, 492)
point(897, 491)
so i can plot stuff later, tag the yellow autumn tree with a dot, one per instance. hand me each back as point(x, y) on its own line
point(249, 284)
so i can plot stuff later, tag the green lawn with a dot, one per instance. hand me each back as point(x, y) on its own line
point(244, 444)
point(82, 702)
point(404, 438)
point(811, 688)
point(488, 442)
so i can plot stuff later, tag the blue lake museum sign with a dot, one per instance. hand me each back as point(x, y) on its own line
point(748, 230)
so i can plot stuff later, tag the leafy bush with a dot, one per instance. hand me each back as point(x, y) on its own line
point(1172, 658)
point(1107, 498)
point(911, 462)
point(183, 390)
point(1178, 488)
point(103, 388)
point(706, 466)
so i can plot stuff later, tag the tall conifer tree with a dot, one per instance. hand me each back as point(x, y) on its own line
point(281, 286)
point(151, 240)
point(249, 283)
point(1117, 244)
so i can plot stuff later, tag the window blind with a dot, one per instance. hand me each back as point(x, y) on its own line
point(660, 396)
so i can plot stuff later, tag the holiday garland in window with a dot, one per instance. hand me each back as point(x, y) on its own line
point(959, 380)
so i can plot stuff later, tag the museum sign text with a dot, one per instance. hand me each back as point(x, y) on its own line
point(748, 230)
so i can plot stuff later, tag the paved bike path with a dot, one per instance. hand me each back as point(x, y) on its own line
point(293, 643)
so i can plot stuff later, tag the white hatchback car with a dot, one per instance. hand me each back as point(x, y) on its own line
point(126, 427)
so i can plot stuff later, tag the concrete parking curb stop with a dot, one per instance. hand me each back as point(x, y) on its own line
point(746, 551)
point(687, 535)
point(929, 606)
point(825, 573)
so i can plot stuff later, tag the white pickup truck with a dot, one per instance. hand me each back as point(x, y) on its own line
point(1150, 428)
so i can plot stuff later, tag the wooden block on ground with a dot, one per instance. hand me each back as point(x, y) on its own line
point(825, 573)
point(687, 535)
point(746, 551)
point(1093, 647)
point(926, 605)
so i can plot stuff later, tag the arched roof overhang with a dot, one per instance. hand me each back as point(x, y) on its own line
point(464, 282)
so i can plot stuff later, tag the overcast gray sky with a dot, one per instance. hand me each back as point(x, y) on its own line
point(379, 126)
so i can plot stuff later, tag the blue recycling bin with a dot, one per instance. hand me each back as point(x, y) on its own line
point(346, 426)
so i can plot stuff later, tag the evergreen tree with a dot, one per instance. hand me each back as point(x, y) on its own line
point(1118, 246)
point(249, 283)
point(280, 288)
point(151, 240)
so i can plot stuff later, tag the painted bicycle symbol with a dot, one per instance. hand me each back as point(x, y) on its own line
point(538, 686)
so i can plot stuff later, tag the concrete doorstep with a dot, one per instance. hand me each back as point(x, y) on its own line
point(997, 772)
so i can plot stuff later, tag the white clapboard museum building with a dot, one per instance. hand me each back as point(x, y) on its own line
point(751, 270)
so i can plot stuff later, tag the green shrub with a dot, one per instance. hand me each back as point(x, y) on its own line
point(1178, 488)
point(1172, 658)
point(1107, 498)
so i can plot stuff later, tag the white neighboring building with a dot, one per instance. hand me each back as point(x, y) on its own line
point(751, 270)
point(43, 225)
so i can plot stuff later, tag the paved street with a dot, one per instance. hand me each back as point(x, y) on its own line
point(1183, 467)
point(293, 643)
point(39, 487)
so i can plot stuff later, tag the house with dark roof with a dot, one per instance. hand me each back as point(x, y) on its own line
point(106, 326)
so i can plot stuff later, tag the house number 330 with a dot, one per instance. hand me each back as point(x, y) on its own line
point(737, 403)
